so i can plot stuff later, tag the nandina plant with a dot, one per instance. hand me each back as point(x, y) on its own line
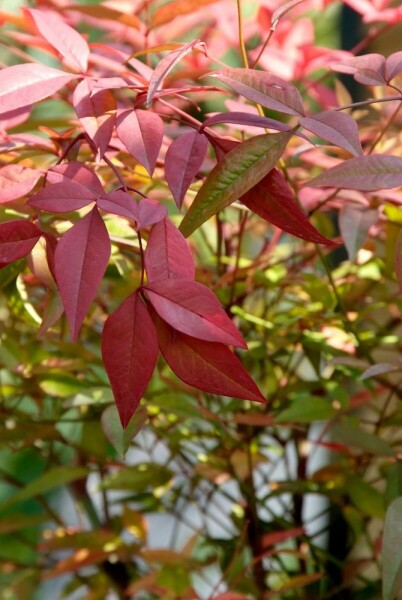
point(102, 196)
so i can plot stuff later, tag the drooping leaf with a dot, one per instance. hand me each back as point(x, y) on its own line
point(393, 65)
point(263, 88)
point(22, 85)
point(193, 309)
point(364, 173)
point(166, 65)
point(77, 172)
point(249, 119)
point(354, 224)
point(207, 366)
point(336, 127)
point(81, 258)
point(166, 13)
point(236, 173)
point(62, 37)
point(121, 438)
point(141, 131)
point(368, 69)
point(12, 118)
point(183, 160)
point(16, 181)
point(167, 255)
point(62, 197)
point(96, 110)
point(392, 551)
point(273, 200)
point(17, 238)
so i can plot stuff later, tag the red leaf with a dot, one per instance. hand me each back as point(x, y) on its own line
point(81, 258)
point(277, 537)
point(149, 211)
point(167, 255)
point(22, 85)
point(193, 309)
point(144, 213)
point(166, 65)
point(335, 127)
point(183, 160)
point(16, 181)
point(208, 366)
point(96, 111)
point(62, 197)
point(62, 37)
point(264, 88)
point(273, 200)
point(129, 352)
point(141, 132)
point(365, 173)
point(17, 238)
point(77, 172)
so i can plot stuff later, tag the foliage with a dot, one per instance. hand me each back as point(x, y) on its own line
point(126, 390)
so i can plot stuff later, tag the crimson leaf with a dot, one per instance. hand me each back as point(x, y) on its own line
point(17, 238)
point(141, 131)
point(62, 197)
point(167, 255)
point(77, 172)
point(146, 212)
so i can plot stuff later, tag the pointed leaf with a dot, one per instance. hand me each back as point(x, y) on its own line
point(249, 119)
point(81, 258)
point(207, 366)
point(129, 352)
point(183, 160)
point(17, 238)
point(167, 255)
point(62, 37)
point(104, 12)
point(238, 171)
point(354, 224)
point(392, 551)
point(77, 172)
point(119, 203)
point(52, 311)
point(365, 173)
point(192, 308)
point(149, 211)
point(121, 438)
point(393, 65)
point(273, 200)
point(166, 65)
point(380, 369)
point(96, 111)
point(62, 197)
point(16, 181)
point(368, 69)
point(335, 127)
point(168, 12)
point(263, 88)
point(141, 131)
point(22, 85)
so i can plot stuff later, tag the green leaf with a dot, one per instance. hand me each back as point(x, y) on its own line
point(365, 497)
point(305, 411)
point(238, 171)
point(121, 438)
point(353, 436)
point(392, 551)
point(138, 477)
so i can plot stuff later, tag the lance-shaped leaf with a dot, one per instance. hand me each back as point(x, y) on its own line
point(141, 131)
point(263, 88)
point(62, 197)
point(364, 173)
point(368, 69)
point(242, 118)
point(207, 366)
point(183, 160)
point(77, 172)
point(96, 110)
point(193, 309)
point(22, 85)
point(62, 37)
point(144, 213)
point(129, 352)
point(273, 200)
point(17, 238)
point(236, 173)
point(97, 11)
point(16, 181)
point(168, 12)
point(167, 255)
point(166, 65)
point(81, 258)
point(335, 127)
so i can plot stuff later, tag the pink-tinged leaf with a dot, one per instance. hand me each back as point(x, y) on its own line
point(96, 111)
point(242, 118)
point(236, 173)
point(141, 131)
point(264, 88)
point(183, 160)
point(62, 197)
point(335, 127)
point(12, 118)
point(207, 366)
point(129, 352)
point(365, 173)
point(144, 213)
point(70, 44)
point(393, 65)
point(193, 309)
point(368, 69)
point(149, 211)
point(101, 12)
point(77, 172)
point(22, 85)
point(16, 181)
point(277, 537)
point(166, 65)
point(354, 224)
point(81, 258)
point(167, 255)
point(17, 238)
point(166, 13)
point(273, 200)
